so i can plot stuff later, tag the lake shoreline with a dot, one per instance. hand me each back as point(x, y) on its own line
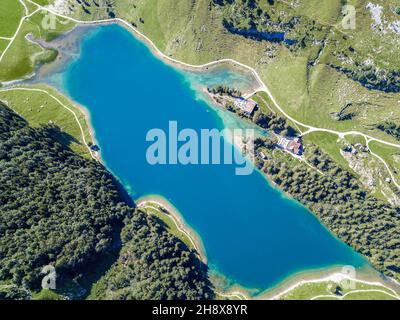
point(168, 60)
point(365, 275)
point(173, 213)
point(236, 291)
point(151, 197)
point(95, 154)
point(335, 274)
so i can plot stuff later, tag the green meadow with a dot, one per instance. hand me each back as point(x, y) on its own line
point(11, 12)
point(390, 154)
point(329, 290)
point(3, 45)
point(39, 109)
point(24, 54)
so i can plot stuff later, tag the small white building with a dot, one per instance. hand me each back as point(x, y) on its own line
point(283, 142)
point(263, 156)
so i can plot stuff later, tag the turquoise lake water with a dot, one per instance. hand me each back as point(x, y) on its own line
point(252, 234)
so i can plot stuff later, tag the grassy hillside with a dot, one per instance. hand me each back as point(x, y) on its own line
point(39, 108)
point(10, 14)
point(305, 78)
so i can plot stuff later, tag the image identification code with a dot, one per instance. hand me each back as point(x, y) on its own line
point(201, 309)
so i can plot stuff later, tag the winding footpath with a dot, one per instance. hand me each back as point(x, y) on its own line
point(384, 163)
point(21, 22)
point(336, 277)
point(352, 292)
point(62, 105)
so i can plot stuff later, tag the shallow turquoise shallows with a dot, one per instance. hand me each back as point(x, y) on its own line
point(252, 233)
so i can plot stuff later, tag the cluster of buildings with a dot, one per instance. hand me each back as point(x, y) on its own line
point(295, 145)
point(248, 106)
